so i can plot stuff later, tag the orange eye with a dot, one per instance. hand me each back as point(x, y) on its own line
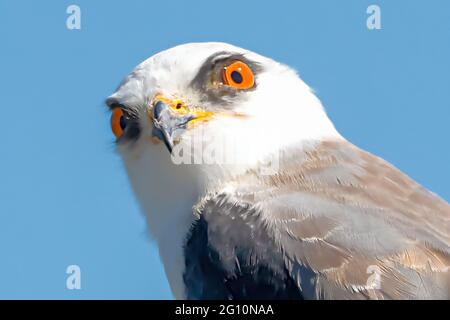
point(238, 75)
point(118, 122)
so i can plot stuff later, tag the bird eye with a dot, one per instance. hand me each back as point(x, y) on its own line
point(238, 75)
point(118, 122)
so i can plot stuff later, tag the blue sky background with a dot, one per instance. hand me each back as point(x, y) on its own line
point(64, 197)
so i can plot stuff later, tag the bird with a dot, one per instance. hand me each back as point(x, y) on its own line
point(250, 192)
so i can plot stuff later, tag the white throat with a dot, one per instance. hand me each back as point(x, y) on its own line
point(166, 193)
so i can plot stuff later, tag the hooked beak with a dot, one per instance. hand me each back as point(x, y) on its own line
point(167, 124)
point(171, 118)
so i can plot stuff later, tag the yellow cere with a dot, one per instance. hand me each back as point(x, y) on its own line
point(175, 104)
point(181, 108)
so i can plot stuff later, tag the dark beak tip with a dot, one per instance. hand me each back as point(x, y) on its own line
point(156, 132)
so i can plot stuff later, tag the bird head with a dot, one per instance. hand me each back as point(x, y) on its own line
point(213, 103)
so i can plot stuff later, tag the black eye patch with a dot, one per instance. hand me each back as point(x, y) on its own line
point(129, 122)
point(209, 79)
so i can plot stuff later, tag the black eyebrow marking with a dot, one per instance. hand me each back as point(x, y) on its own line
point(223, 58)
point(210, 72)
point(113, 103)
point(133, 130)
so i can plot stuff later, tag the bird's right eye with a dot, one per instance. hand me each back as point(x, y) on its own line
point(118, 122)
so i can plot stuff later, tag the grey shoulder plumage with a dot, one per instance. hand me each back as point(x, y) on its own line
point(334, 222)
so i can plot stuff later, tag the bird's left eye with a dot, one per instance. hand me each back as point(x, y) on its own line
point(238, 75)
point(118, 122)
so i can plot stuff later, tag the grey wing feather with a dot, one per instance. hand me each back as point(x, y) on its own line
point(353, 226)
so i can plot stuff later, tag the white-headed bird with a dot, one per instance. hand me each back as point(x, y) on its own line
point(253, 194)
